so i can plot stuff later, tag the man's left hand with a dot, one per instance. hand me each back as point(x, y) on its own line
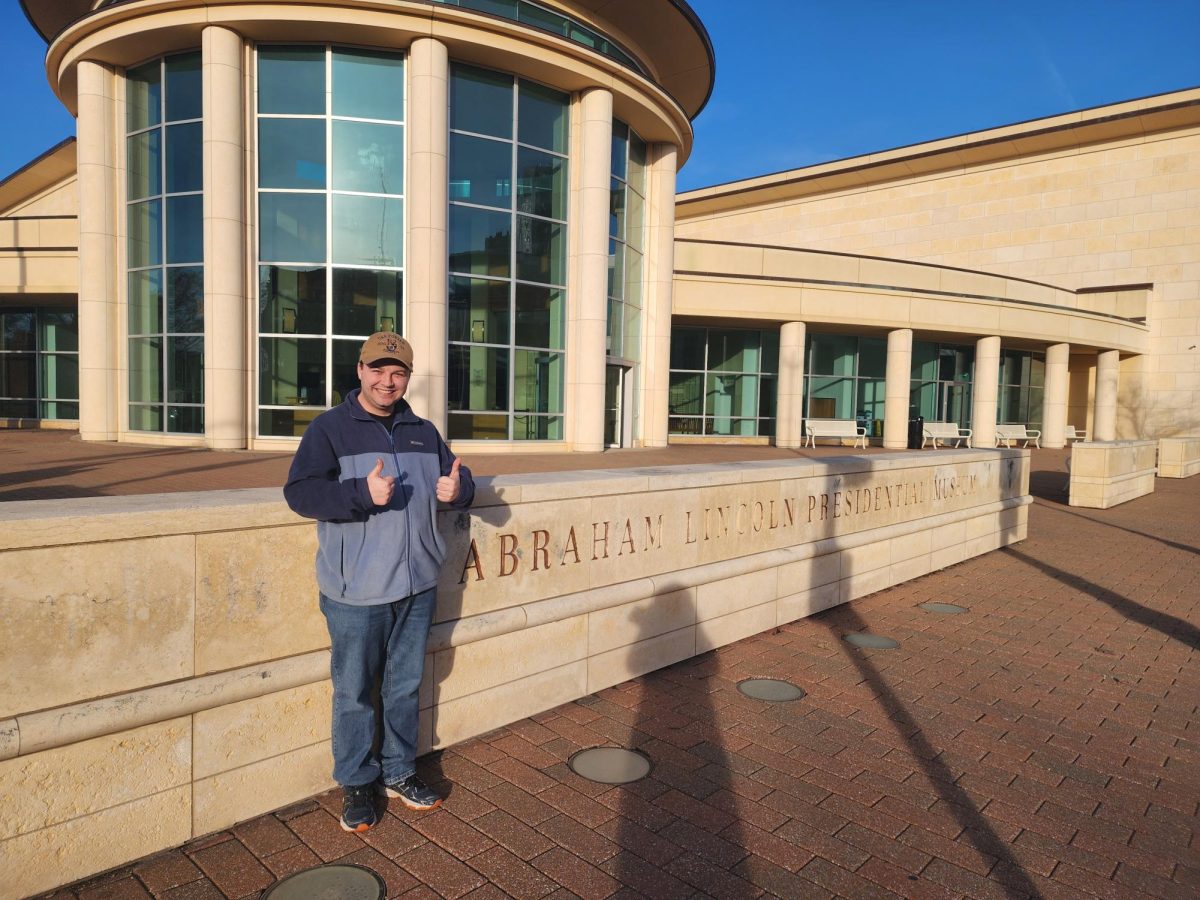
point(447, 485)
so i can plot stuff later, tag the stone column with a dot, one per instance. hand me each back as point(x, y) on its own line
point(897, 389)
point(588, 306)
point(227, 348)
point(790, 401)
point(1054, 403)
point(654, 372)
point(100, 391)
point(1104, 415)
point(427, 267)
point(986, 392)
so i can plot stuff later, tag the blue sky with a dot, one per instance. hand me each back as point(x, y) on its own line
point(806, 81)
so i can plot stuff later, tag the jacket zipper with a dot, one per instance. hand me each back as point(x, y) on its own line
point(399, 483)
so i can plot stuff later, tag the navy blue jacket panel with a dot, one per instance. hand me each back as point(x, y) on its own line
point(370, 554)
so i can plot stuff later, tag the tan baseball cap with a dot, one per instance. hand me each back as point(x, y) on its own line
point(386, 345)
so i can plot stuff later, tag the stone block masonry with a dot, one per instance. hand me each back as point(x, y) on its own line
point(177, 636)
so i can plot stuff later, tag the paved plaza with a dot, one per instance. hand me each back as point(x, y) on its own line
point(1046, 742)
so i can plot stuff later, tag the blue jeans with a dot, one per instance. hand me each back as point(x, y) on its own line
point(384, 645)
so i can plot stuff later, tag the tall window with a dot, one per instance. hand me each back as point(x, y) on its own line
point(508, 257)
point(1022, 385)
point(845, 378)
point(39, 363)
point(627, 216)
point(941, 382)
point(723, 381)
point(330, 223)
point(165, 246)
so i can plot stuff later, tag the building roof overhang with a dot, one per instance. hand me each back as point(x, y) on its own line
point(668, 32)
point(48, 169)
point(1068, 132)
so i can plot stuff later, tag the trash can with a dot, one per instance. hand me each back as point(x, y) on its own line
point(916, 428)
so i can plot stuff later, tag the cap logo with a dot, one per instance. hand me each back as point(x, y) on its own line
point(391, 345)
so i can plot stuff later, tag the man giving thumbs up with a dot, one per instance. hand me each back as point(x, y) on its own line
point(371, 472)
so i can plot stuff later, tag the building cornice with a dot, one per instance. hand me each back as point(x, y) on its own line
point(668, 33)
point(1127, 120)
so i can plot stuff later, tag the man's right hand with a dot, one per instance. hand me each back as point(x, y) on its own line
point(380, 485)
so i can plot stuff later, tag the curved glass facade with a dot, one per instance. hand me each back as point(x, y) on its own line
point(507, 313)
point(723, 381)
point(165, 245)
point(551, 21)
point(330, 222)
point(626, 230)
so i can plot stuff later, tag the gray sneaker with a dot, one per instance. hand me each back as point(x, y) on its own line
point(358, 807)
point(413, 793)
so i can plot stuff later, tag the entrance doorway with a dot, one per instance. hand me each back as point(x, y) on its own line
point(955, 402)
point(614, 406)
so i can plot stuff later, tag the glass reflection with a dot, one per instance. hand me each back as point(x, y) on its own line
point(368, 231)
point(185, 299)
point(541, 251)
point(541, 184)
point(364, 298)
point(291, 371)
point(541, 316)
point(481, 171)
point(477, 378)
point(291, 153)
point(542, 113)
point(145, 302)
point(185, 228)
point(185, 157)
point(291, 300)
point(291, 227)
point(184, 100)
point(481, 102)
point(145, 234)
point(145, 370)
point(368, 84)
point(291, 80)
point(480, 241)
point(368, 157)
point(479, 310)
point(144, 165)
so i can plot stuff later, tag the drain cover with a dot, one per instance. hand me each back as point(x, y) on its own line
point(873, 641)
point(610, 765)
point(337, 881)
point(772, 689)
point(950, 609)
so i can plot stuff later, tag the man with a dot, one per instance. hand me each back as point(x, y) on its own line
point(371, 473)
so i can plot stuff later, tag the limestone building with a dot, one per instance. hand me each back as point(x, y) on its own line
point(255, 187)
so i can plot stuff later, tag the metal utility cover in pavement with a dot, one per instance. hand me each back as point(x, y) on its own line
point(771, 689)
point(337, 881)
point(950, 609)
point(873, 641)
point(610, 765)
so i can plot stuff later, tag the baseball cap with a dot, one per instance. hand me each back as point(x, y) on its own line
point(386, 345)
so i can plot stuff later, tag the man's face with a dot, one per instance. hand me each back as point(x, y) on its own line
point(383, 385)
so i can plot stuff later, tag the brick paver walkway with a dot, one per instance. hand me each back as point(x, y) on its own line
point(1044, 743)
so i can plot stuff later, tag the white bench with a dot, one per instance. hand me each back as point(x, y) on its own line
point(1071, 434)
point(945, 432)
point(1009, 433)
point(833, 428)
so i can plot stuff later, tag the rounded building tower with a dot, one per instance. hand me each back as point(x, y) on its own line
point(262, 185)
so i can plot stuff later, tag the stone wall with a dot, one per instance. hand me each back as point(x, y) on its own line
point(1178, 457)
point(1107, 473)
point(163, 665)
